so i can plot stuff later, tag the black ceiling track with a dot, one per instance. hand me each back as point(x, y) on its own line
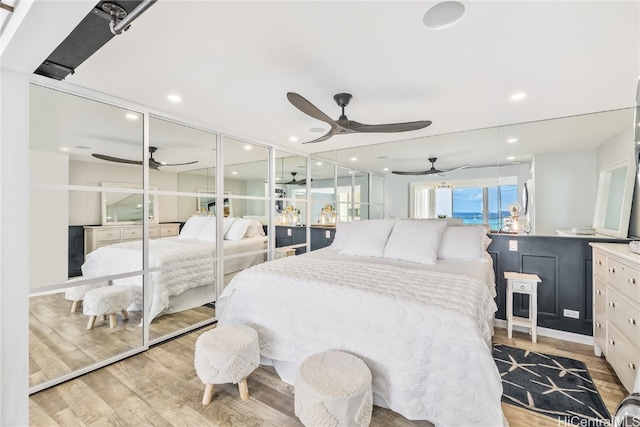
point(86, 38)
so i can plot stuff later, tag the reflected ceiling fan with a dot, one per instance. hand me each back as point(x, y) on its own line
point(343, 125)
point(153, 164)
point(432, 171)
point(294, 182)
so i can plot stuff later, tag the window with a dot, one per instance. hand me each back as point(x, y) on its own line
point(474, 204)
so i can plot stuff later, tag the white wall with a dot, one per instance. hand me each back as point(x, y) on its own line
point(616, 148)
point(48, 219)
point(564, 190)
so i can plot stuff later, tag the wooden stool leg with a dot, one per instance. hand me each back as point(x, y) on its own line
point(103, 317)
point(74, 306)
point(244, 389)
point(208, 394)
point(125, 314)
point(92, 321)
point(112, 320)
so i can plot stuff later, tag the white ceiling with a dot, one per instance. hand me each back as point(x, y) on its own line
point(233, 63)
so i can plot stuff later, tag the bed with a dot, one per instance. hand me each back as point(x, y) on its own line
point(188, 286)
point(413, 299)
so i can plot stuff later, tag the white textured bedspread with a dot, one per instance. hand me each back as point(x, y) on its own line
point(126, 257)
point(425, 335)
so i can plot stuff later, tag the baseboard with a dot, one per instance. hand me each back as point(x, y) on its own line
point(551, 333)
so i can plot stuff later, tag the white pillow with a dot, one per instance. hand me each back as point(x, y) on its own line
point(238, 229)
point(463, 242)
point(415, 241)
point(367, 238)
point(192, 227)
point(341, 235)
point(208, 232)
point(255, 228)
point(227, 222)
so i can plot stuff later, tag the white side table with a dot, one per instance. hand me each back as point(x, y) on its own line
point(522, 283)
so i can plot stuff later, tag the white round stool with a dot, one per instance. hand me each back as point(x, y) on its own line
point(106, 300)
point(76, 294)
point(226, 354)
point(333, 388)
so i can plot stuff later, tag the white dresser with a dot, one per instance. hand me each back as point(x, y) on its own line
point(97, 236)
point(616, 308)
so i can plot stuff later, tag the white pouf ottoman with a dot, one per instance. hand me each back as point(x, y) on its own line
point(106, 300)
point(333, 388)
point(76, 294)
point(226, 354)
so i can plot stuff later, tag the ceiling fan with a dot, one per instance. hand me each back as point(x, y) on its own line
point(432, 171)
point(343, 125)
point(153, 164)
point(294, 182)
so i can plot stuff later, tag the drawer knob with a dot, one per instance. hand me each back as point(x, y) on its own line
point(612, 270)
point(612, 304)
point(598, 262)
point(521, 287)
point(632, 365)
point(631, 280)
point(598, 292)
point(612, 342)
point(632, 321)
point(598, 325)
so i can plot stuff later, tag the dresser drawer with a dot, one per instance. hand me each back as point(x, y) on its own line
point(624, 316)
point(167, 230)
point(154, 232)
point(600, 264)
point(600, 329)
point(106, 235)
point(521, 285)
point(599, 294)
point(132, 233)
point(624, 278)
point(623, 356)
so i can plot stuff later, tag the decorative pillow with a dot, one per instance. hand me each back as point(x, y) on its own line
point(193, 226)
point(227, 222)
point(367, 237)
point(208, 232)
point(341, 235)
point(238, 229)
point(463, 242)
point(415, 241)
point(255, 228)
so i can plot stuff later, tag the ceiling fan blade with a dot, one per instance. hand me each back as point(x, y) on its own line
point(309, 109)
point(428, 172)
point(324, 137)
point(178, 164)
point(388, 128)
point(117, 159)
point(455, 169)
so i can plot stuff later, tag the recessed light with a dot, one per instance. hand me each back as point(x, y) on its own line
point(510, 158)
point(512, 140)
point(317, 130)
point(444, 14)
point(353, 159)
point(385, 169)
point(64, 149)
point(351, 172)
point(131, 116)
point(234, 173)
point(174, 98)
point(278, 178)
point(248, 147)
point(163, 163)
point(518, 96)
point(293, 139)
point(318, 163)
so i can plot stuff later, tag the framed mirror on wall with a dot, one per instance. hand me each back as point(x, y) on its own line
point(613, 201)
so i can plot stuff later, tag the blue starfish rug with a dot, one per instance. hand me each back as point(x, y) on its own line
point(555, 386)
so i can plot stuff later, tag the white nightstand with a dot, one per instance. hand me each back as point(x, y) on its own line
point(284, 252)
point(522, 283)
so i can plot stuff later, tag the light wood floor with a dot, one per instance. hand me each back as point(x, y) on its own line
point(59, 341)
point(160, 388)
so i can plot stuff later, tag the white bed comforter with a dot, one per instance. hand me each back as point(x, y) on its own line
point(425, 335)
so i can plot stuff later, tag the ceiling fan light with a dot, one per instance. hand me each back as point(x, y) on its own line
point(444, 14)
